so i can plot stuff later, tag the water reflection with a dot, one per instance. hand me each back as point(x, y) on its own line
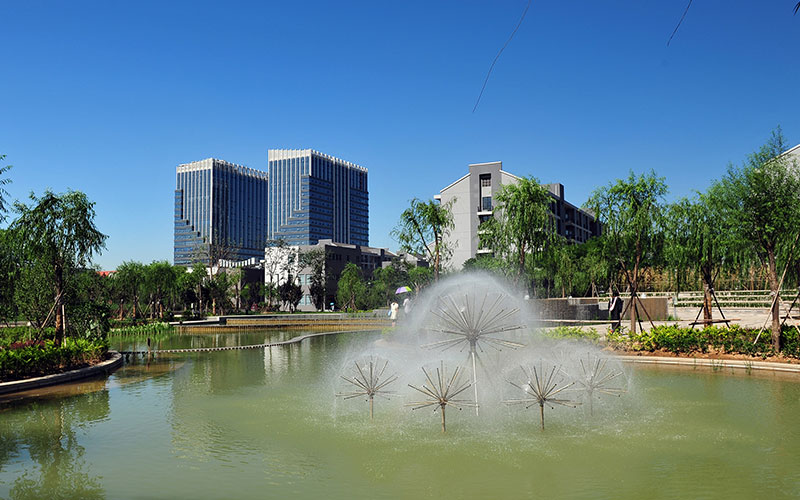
point(41, 442)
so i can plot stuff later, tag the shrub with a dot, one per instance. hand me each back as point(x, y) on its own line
point(572, 332)
point(36, 358)
point(731, 340)
point(146, 329)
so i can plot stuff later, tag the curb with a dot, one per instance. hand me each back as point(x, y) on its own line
point(106, 367)
point(711, 363)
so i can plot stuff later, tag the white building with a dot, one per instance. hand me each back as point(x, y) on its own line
point(474, 204)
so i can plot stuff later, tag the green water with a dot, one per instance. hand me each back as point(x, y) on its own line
point(266, 424)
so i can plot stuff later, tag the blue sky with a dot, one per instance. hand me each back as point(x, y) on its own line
point(109, 97)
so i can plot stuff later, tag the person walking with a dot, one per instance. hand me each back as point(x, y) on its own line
point(393, 312)
point(615, 310)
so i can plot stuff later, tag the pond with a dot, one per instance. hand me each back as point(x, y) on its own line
point(262, 423)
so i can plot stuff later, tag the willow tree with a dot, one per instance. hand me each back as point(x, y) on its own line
point(523, 224)
point(699, 236)
point(423, 229)
point(763, 197)
point(129, 281)
point(59, 230)
point(631, 213)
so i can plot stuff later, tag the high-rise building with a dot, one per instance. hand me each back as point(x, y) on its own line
point(314, 196)
point(220, 212)
point(474, 204)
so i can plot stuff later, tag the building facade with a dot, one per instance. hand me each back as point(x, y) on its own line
point(281, 261)
point(314, 196)
point(473, 203)
point(220, 212)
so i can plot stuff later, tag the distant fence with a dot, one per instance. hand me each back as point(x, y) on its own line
point(596, 309)
point(323, 321)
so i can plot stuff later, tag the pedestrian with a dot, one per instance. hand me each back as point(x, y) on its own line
point(393, 312)
point(615, 311)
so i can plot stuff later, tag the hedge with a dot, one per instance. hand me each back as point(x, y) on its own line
point(27, 359)
point(730, 340)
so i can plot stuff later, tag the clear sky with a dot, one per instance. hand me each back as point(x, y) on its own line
point(109, 97)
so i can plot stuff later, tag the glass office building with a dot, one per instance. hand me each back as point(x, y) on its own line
point(314, 196)
point(220, 212)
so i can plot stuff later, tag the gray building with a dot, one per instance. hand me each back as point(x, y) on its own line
point(314, 196)
point(474, 204)
point(279, 262)
point(220, 212)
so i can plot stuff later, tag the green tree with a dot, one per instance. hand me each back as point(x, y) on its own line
point(252, 294)
point(489, 264)
point(290, 293)
point(522, 225)
point(130, 280)
point(350, 289)
point(199, 277)
point(187, 288)
point(423, 230)
point(762, 196)
point(33, 291)
point(88, 304)
point(219, 291)
point(315, 260)
point(160, 282)
point(60, 230)
point(631, 212)
point(386, 281)
point(698, 236)
point(420, 277)
point(9, 270)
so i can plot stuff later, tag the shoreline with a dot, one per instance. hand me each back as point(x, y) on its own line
point(107, 366)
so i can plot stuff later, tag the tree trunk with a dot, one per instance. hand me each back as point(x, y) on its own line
point(776, 306)
point(707, 297)
point(59, 289)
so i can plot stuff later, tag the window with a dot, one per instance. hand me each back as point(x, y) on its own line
point(486, 180)
point(486, 203)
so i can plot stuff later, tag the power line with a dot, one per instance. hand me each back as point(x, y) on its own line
point(498, 55)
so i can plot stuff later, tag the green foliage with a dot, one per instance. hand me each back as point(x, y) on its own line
point(729, 340)
point(156, 328)
point(58, 232)
point(11, 334)
point(489, 264)
point(129, 283)
point(316, 261)
point(763, 197)
point(523, 224)
point(160, 285)
point(46, 357)
point(631, 212)
point(385, 282)
point(87, 305)
point(351, 290)
point(423, 229)
point(420, 277)
point(252, 294)
point(290, 293)
point(572, 332)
